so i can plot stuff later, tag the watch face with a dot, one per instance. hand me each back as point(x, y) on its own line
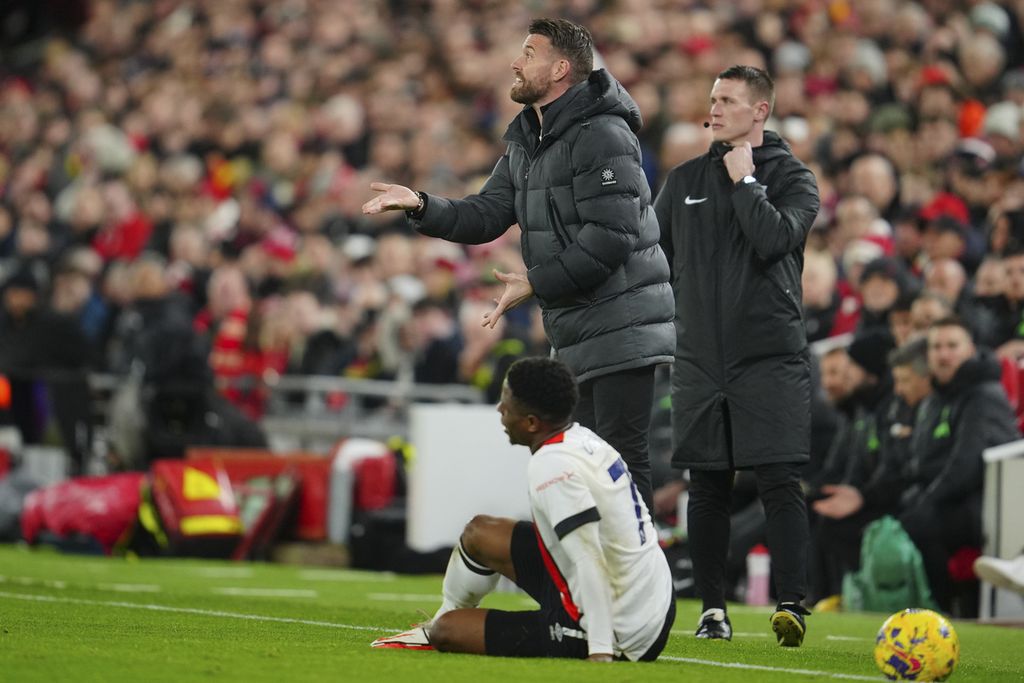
point(749, 179)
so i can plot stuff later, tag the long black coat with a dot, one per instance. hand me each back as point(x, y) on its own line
point(742, 372)
point(589, 234)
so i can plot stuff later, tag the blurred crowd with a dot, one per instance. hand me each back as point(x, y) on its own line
point(189, 173)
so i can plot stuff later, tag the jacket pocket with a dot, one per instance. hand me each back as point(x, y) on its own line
point(557, 226)
point(788, 295)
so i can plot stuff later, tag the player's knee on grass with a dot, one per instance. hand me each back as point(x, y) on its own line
point(458, 631)
point(443, 634)
point(488, 540)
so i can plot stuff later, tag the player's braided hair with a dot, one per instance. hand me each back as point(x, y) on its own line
point(545, 387)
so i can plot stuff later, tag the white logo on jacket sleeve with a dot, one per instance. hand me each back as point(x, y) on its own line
point(608, 177)
point(690, 200)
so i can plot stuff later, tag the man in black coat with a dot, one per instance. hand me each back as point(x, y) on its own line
point(967, 413)
point(571, 178)
point(734, 223)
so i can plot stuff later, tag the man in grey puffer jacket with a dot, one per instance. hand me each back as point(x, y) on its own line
point(571, 178)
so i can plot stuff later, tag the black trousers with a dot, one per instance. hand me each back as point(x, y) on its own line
point(617, 407)
point(787, 531)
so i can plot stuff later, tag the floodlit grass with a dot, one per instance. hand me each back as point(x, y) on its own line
point(73, 618)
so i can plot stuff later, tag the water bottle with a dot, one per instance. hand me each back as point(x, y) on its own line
point(681, 504)
point(759, 569)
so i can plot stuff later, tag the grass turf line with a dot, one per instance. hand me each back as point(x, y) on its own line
point(74, 618)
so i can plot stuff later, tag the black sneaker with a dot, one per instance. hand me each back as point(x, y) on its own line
point(788, 623)
point(714, 624)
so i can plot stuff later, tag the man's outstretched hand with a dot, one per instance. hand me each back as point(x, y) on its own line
point(391, 198)
point(517, 290)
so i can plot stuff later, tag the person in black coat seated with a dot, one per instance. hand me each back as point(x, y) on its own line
point(967, 413)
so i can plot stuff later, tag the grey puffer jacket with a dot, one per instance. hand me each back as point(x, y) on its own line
point(589, 233)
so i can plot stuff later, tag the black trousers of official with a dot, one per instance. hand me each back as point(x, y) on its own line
point(617, 407)
point(787, 531)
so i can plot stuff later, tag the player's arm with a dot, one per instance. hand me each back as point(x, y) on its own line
point(583, 547)
point(477, 219)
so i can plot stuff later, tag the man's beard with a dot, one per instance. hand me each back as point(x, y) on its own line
point(528, 92)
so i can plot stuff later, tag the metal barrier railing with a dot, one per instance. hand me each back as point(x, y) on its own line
point(301, 414)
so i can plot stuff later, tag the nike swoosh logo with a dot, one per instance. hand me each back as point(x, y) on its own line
point(694, 201)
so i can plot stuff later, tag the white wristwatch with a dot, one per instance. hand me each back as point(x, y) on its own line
point(747, 179)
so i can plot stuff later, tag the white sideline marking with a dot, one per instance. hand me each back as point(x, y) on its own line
point(344, 575)
point(847, 638)
point(404, 597)
point(129, 587)
point(353, 627)
point(681, 632)
point(192, 610)
point(761, 667)
point(266, 592)
point(224, 572)
point(30, 581)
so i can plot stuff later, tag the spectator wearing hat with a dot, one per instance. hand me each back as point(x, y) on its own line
point(882, 282)
point(1002, 129)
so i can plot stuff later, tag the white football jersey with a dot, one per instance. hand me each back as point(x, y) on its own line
point(577, 478)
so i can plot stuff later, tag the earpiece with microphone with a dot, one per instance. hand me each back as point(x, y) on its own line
point(707, 124)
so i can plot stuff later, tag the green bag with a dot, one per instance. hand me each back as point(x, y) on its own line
point(891, 575)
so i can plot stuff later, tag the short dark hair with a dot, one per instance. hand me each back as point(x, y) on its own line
point(953, 321)
point(571, 41)
point(760, 84)
point(913, 354)
point(544, 387)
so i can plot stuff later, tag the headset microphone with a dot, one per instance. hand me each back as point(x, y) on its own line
point(707, 125)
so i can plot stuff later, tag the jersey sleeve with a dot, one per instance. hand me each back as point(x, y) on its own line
point(560, 493)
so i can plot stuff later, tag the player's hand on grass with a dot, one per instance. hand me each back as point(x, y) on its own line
point(391, 198)
point(517, 290)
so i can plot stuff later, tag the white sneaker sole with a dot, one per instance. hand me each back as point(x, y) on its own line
point(415, 639)
point(995, 575)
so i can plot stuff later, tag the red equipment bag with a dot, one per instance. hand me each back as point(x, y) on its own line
point(191, 509)
point(101, 508)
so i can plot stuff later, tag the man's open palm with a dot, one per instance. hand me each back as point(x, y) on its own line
point(391, 198)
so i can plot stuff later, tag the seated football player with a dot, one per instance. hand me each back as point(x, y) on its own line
point(590, 557)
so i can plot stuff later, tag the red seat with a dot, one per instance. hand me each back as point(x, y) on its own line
point(1011, 380)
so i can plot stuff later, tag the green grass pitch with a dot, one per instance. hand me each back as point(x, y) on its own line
point(79, 619)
